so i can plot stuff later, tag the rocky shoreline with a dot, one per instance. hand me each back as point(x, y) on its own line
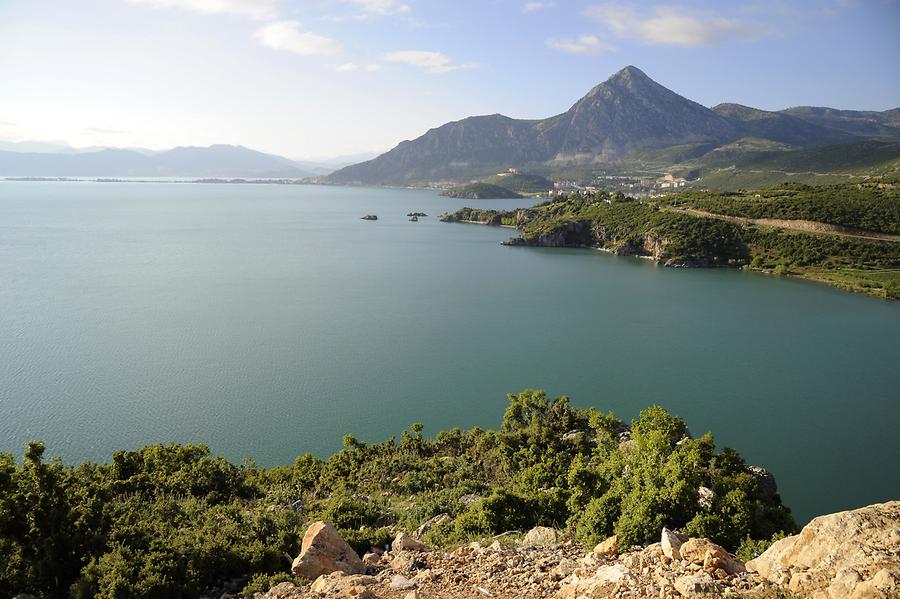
point(853, 554)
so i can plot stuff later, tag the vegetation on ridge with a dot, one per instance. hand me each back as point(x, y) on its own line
point(661, 229)
point(170, 521)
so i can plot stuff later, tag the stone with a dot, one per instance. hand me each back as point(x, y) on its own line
point(402, 583)
point(706, 496)
point(371, 560)
point(404, 542)
point(695, 551)
point(670, 544)
point(340, 584)
point(427, 526)
point(853, 554)
point(696, 584)
point(412, 595)
point(608, 547)
point(323, 551)
point(540, 536)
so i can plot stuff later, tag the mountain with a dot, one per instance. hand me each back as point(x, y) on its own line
point(627, 112)
point(780, 126)
point(214, 161)
point(627, 116)
point(862, 123)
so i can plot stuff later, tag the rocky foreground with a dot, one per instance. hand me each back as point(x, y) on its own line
point(853, 554)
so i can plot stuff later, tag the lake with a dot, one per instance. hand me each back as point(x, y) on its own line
point(269, 320)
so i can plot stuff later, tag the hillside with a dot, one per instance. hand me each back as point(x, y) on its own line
point(174, 521)
point(212, 161)
point(845, 236)
point(480, 191)
point(622, 121)
point(521, 183)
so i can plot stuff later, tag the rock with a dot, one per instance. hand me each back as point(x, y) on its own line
point(407, 561)
point(612, 574)
point(696, 584)
point(468, 500)
point(853, 554)
point(412, 595)
point(323, 551)
point(608, 547)
point(706, 496)
point(404, 542)
point(340, 584)
point(436, 521)
point(695, 550)
point(671, 544)
point(540, 536)
point(764, 480)
point(371, 560)
point(402, 583)
point(284, 590)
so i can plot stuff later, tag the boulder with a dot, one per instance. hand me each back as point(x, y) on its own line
point(696, 550)
point(404, 542)
point(705, 496)
point(340, 584)
point(609, 547)
point(854, 554)
point(696, 584)
point(371, 560)
point(323, 551)
point(671, 544)
point(540, 536)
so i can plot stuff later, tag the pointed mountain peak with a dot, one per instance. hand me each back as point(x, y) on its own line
point(630, 72)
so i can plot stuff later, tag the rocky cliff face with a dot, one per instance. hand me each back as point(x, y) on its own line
point(853, 554)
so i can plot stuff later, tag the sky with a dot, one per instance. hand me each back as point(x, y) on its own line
point(322, 78)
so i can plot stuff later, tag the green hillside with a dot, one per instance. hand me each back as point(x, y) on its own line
point(481, 191)
point(521, 183)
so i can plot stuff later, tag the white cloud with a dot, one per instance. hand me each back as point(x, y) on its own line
point(256, 9)
point(349, 67)
point(533, 6)
point(382, 7)
point(433, 62)
point(674, 26)
point(287, 35)
point(589, 45)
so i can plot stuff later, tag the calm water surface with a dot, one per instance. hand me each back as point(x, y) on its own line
point(268, 320)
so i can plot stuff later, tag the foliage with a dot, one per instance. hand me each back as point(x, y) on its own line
point(172, 521)
point(651, 227)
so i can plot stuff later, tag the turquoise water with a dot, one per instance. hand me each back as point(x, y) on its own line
point(268, 320)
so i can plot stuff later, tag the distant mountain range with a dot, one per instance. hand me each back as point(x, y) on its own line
point(627, 114)
point(223, 161)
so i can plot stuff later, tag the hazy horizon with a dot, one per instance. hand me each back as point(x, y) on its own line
point(332, 78)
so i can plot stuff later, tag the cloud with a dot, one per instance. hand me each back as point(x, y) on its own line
point(589, 45)
point(674, 26)
point(533, 6)
point(255, 9)
point(349, 67)
point(433, 62)
point(287, 35)
point(382, 7)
